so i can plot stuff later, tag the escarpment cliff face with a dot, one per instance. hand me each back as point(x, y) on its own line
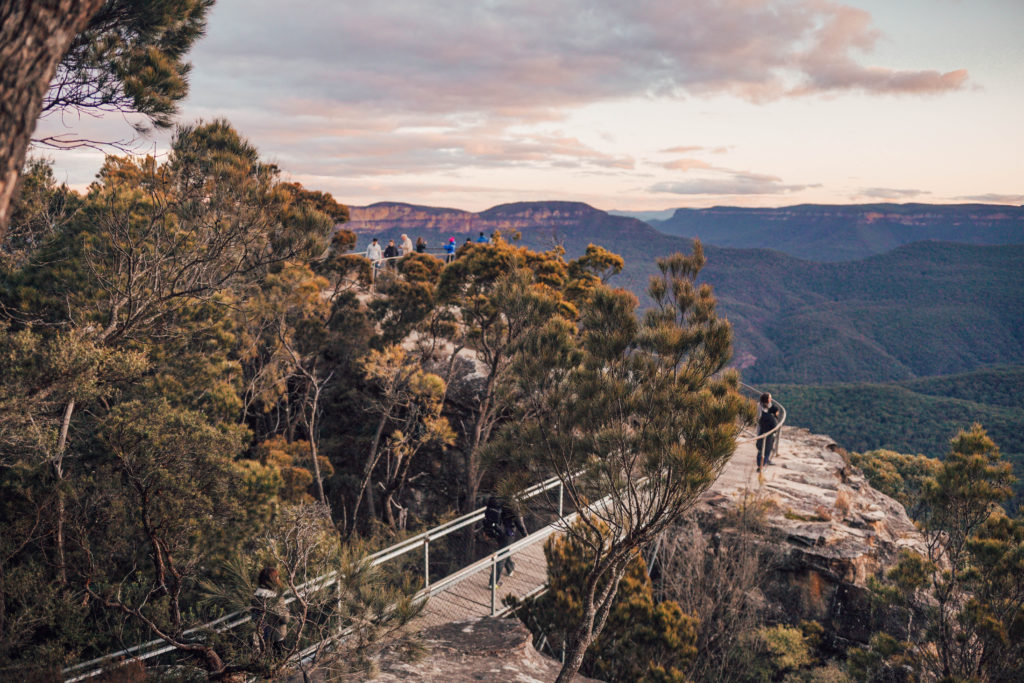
point(543, 220)
point(827, 531)
point(391, 217)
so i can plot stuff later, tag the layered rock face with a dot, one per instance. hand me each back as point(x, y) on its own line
point(829, 531)
point(408, 218)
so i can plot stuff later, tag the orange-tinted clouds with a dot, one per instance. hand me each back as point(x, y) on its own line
point(479, 70)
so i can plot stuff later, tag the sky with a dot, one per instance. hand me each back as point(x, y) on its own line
point(632, 105)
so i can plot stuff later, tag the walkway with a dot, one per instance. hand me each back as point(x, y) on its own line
point(470, 596)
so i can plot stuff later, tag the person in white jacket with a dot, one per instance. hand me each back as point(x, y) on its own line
point(405, 247)
point(374, 253)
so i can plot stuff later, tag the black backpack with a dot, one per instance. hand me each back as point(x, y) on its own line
point(493, 524)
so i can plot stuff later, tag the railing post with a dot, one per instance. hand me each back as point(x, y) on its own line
point(494, 584)
point(426, 562)
point(561, 491)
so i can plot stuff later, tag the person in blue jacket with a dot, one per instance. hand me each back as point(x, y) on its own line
point(482, 239)
point(449, 250)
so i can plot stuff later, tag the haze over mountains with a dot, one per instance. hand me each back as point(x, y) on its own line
point(922, 309)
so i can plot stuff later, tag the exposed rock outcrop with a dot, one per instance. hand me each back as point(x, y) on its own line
point(482, 650)
point(830, 528)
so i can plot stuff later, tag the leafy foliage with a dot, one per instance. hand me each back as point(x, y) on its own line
point(967, 589)
point(130, 58)
point(643, 639)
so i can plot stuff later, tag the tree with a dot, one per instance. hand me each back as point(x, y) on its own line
point(151, 243)
point(88, 57)
point(334, 627)
point(967, 589)
point(162, 506)
point(407, 401)
point(129, 58)
point(38, 213)
point(644, 639)
point(635, 417)
point(719, 580)
point(34, 36)
point(503, 295)
point(902, 477)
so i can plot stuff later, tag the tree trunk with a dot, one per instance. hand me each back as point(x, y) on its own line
point(313, 451)
point(58, 473)
point(371, 463)
point(34, 37)
point(594, 616)
point(473, 473)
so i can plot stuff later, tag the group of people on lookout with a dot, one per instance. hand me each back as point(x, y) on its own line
point(390, 253)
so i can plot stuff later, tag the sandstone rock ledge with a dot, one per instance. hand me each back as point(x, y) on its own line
point(830, 529)
point(482, 650)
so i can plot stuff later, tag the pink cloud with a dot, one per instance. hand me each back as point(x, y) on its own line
point(407, 86)
point(685, 164)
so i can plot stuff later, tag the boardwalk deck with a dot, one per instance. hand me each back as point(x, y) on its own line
point(470, 598)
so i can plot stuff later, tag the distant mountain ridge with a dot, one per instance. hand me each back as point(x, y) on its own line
point(925, 308)
point(532, 216)
point(820, 232)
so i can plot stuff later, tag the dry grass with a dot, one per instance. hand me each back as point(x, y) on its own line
point(842, 505)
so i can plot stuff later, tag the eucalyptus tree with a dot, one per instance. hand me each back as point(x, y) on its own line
point(502, 295)
point(88, 57)
point(635, 415)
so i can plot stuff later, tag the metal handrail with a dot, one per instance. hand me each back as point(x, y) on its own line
point(421, 540)
point(376, 559)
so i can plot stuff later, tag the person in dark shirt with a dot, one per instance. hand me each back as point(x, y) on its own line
point(421, 245)
point(501, 522)
point(270, 611)
point(767, 420)
point(390, 252)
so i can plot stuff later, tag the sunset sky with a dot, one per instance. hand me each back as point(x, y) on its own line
point(624, 104)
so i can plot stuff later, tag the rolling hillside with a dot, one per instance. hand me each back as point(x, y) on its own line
point(916, 416)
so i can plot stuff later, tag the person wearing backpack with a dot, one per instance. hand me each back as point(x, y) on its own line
point(270, 611)
point(501, 523)
point(768, 419)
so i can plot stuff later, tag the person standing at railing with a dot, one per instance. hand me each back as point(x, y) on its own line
point(767, 420)
point(269, 610)
point(501, 522)
point(449, 250)
point(421, 245)
point(405, 246)
point(391, 253)
point(373, 253)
